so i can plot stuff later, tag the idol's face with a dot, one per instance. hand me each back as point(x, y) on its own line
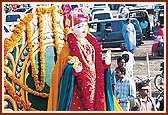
point(80, 30)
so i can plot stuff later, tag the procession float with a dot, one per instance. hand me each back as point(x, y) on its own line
point(29, 57)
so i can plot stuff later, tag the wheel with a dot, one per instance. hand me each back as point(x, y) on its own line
point(158, 81)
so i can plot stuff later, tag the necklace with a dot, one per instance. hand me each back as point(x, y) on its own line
point(88, 53)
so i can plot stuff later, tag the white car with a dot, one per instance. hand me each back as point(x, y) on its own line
point(13, 18)
point(102, 15)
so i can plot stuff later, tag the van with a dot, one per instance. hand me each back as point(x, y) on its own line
point(140, 14)
point(109, 32)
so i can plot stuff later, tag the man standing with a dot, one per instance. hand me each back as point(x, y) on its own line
point(129, 34)
point(125, 89)
point(143, 102)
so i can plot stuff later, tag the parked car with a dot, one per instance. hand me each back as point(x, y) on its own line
point(109, 32)
point(148, 7)
point(141, 14)
point(101, 15)
point(159, 15)
point(13, 18)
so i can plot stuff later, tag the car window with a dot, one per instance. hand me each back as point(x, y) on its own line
point(138, 14)
point(99, 4)
point(115, 26)
point(102, 16)
point(12, 18)
point(94, 27)
point(74, 6)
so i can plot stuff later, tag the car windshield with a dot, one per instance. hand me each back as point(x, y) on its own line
point(102, 16)
point(12, 18)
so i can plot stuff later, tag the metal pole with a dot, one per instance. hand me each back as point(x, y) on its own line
point(148, 72)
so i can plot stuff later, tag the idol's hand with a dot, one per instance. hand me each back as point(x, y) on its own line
point(108, 57)
point(77, 66)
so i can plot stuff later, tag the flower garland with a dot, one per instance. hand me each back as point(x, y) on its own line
point(11, 91)
point(99, 90)
point(54, 29)
point(16, 36)
point(11, 42)
point(25, 87)
point(38, 84)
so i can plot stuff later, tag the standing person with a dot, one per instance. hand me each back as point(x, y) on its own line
point(129, 35)
point(77, 82)
point(160, 31)
point(155, 28)
point(120, 63)
point(143, 102)
point(144, 26)
point(125, 89)
point(130, 62)
point(158, 37)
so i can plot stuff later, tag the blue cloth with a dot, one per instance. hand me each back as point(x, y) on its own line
point(114, 78)
point(66, 89)
point(109, 91)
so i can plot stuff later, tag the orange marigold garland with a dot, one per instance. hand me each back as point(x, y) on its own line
point(16, 36)
point(54, 29)
point(11, 42)
point(11, 91)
